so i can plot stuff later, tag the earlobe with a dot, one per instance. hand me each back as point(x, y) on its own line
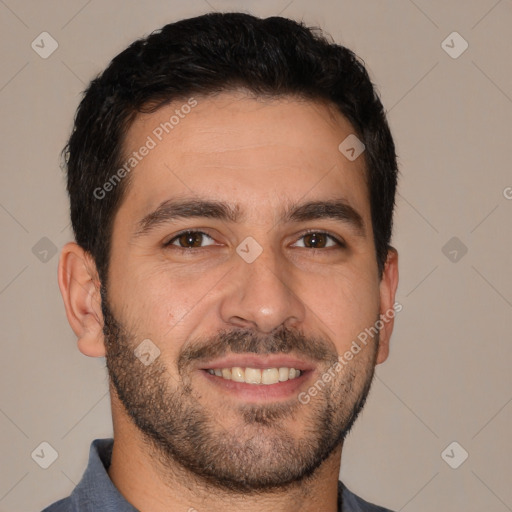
point(388, 286)
point(80, 288)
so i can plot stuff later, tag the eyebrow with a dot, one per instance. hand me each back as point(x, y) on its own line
point(187, 208)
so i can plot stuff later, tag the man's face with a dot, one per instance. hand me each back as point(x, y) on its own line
point(286, 279)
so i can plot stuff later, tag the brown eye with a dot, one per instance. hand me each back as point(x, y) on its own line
point(189, 240)
point(319, 240)
point(316, 240)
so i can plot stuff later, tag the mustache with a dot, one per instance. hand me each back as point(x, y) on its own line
point(239, 341)
point(282, 341)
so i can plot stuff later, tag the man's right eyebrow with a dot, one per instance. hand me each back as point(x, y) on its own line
point(174, 209)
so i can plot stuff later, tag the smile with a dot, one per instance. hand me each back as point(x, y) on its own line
point(256, 375)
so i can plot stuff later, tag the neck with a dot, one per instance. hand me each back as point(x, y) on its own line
point(149, 486)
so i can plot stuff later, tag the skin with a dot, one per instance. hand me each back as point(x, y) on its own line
point(262, 155)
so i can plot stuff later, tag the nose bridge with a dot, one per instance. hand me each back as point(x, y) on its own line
point(263, 295)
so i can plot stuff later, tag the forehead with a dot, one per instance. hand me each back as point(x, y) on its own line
point(235, 148)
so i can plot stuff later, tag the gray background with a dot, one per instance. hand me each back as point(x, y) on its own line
point(448, 376)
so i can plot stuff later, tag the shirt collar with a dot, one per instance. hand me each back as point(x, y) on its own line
point(95, 490)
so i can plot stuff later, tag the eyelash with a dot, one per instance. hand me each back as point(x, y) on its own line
point(340, 243)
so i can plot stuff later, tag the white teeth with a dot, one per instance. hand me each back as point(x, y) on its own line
point(237, 374)
point(284, 373)
point(252, 376)
point(270, 376)
point(255, 375)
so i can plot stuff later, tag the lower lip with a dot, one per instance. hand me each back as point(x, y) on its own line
point(260, 392)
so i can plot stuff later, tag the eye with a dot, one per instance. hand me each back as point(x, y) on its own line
point(319, 240)
point(189, 240)
point(311, 240)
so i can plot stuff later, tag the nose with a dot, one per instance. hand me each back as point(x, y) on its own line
point(262, 295)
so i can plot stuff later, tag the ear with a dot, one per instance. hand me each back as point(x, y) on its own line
point(388, 286)
point(80, 288)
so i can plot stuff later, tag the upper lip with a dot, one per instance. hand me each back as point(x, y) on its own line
point(258, 361)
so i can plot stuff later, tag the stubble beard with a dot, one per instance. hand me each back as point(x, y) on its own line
point(258, 454)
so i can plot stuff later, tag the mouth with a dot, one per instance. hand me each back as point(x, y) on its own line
point(265, 376)
point(256, 378)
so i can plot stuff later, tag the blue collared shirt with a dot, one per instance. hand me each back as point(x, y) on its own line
point(96, 493)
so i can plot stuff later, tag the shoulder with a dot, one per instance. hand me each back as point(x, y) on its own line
point(353, 503)
point(95, 487)
point(60, 506)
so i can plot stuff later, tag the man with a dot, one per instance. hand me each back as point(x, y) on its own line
point(232, 185)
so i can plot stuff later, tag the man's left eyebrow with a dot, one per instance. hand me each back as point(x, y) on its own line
point(337, 209)
point(175, 209)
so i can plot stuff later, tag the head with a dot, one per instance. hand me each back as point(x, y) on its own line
point(215, 216)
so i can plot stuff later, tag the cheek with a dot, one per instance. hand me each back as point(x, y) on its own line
point(162, 304)
point(346, 304)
